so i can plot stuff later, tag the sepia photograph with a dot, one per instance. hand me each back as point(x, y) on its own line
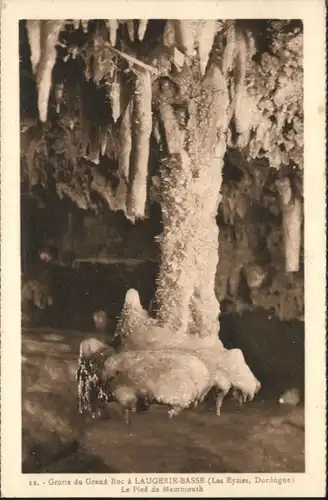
point(162, 249)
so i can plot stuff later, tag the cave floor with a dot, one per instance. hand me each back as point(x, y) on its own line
point(260, 437)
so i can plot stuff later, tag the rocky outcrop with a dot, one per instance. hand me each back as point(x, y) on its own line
point(50, 421)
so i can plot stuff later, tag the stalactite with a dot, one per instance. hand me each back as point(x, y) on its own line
point(292, 220)
point(49, 37)
point(125, 144)
point(34, 37)
point(206, 34)
point(142, 120)
point(112, 26)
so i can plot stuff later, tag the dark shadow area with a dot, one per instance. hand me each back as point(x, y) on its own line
point(273, 349)
point(81, 462)
point(41, 457)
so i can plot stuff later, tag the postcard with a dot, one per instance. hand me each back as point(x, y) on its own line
point(163, 248)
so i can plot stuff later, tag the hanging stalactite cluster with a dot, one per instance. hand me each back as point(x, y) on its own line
point(267, 127)
point(252, 255)
point(110, 77)
point(106, 90)
point(267, 106)
point(123, 82)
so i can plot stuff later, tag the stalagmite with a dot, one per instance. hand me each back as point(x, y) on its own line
point(139, 331)
point(177, 272)
point(191, 194)
point(205, 307)
point(292, 221)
